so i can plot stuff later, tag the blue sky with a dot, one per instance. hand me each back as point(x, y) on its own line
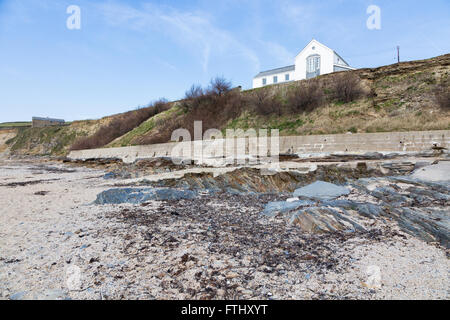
point(128, 53)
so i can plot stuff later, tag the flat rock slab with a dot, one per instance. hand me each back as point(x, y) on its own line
point(141, 195)
point(433, 173)
point(321, 219)
point(321, 190)
point(272, 208)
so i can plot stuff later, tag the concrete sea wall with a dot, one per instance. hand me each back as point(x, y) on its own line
point(384, 142)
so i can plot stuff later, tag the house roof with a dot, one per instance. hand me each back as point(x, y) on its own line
point(275, 71)
point(321, 44)
point(316, 42)
point(341, 58)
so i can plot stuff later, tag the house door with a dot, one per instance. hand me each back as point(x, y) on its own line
point(312, 66)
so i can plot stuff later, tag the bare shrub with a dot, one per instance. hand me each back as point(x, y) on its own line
point(347, 87)
point(159, 106)
point(264, 103)
point(306, 96)
point(194, 92)
point(214, 106)
point(216, 113)
point(234, 103)
point(442, 95)
point(197, 97)
point(120, 125)
point(194, 97)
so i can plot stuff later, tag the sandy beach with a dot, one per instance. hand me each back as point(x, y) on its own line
point(55, 243)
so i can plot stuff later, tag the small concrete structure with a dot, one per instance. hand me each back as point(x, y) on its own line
point(39, 122)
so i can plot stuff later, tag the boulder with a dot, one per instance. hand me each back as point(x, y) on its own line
point(433, 173)
point(321, 190)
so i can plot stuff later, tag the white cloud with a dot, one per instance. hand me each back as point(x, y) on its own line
point(282, 55)
point(303, 16)
point(166, 64)
point(195, 31)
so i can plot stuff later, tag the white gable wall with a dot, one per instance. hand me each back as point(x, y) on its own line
point(326, 59)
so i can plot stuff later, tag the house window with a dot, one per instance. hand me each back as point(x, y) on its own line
point(286, 77)
point(313, 63)
point(264, 81)
point(312, 66)
point(275, 79)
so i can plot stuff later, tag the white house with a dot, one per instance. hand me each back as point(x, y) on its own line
point(315, 59)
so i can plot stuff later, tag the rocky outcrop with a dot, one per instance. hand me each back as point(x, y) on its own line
point(257, 180)
point(419, 207)
point(331, 198)
point(141, 195)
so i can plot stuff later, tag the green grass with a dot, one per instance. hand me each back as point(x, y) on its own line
point(285, 124)
point(288, 126)
point(139, 131)
point(145, 127)
point(15, 124)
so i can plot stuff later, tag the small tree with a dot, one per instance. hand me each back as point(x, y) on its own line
point(219, 86)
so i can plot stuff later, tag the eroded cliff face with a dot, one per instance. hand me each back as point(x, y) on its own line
point(51, 141)
point(6, 135)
